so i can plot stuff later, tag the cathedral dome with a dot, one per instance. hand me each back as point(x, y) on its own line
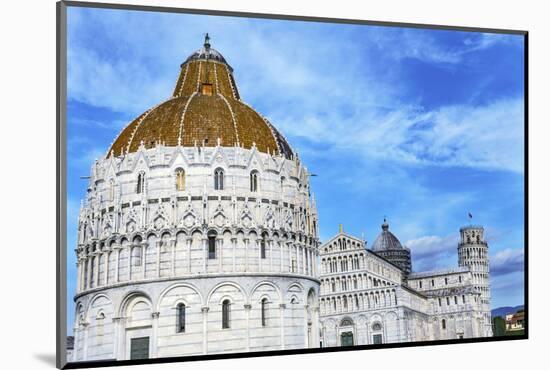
point(205, 110)
point(386, 240)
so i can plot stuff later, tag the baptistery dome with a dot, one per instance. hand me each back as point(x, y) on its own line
point(205, 108)
point(197, 233)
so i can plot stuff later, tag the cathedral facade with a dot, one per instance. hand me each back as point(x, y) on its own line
point(370, 296)
point(197, 234)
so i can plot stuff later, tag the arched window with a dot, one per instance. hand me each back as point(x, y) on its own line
point(181, 318)
point(263, 242)
point(212, 245)
point(225, 314)
point(346, 322)
point(136, 256)
point(218, 179)
point(443, 324)
point(140, 183)
point(254, 181)
point(264, 311)
point(282, 184)
point(180, 179)
point(376, 336)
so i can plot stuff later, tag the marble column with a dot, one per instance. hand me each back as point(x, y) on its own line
point(154, 334)
point(282, 307)
point(173, 257)
point(234, 246)
point(281, 253)
point(117, 248)
point(271, 255)
point(219, 249)
point(247, 308)
point(106, 268)
point(159, 244)
point(204, 250)
point(143, 260)
point(189, 240)
point(246, 241)
point(204, 329)
point(96, 269)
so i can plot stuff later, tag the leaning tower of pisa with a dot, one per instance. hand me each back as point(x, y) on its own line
point(473, 252)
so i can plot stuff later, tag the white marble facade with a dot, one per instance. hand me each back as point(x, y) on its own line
point(150, 239)
point(366, 299)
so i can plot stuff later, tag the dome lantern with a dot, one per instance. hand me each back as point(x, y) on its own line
point(205, 106)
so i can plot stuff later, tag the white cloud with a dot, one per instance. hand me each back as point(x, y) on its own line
point(507, 261)
point(311, 85)
point(432, 251)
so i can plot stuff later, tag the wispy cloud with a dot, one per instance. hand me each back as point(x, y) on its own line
point(507, 261)
point(432, 252)
point(424, 46)
point(341, 94)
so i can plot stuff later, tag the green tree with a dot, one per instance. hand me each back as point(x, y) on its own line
point(499, 326)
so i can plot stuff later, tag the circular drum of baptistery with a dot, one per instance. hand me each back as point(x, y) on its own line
point(197, 234)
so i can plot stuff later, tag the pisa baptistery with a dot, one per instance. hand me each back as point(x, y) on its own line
point(197, 233)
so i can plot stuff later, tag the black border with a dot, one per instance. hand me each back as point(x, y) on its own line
point(61, 265)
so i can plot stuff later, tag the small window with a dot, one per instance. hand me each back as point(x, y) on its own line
point(456, 299)
point(443, 324)
point(218, 179)
point(264, 312)
point(448, 301)
point(446, 281)
point(463, 299)
point(439, 301)
point(181, 318)
point(433, 283)
point(211, 246)
point(460, 278)
point(262, 245)
point(225, 314)
point(140, 183)
point(206, 89)
point(180, 179)
point(420, 284)
point(136, 256)
point(254, 181)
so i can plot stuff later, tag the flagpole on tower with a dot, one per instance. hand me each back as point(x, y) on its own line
point(470, 216)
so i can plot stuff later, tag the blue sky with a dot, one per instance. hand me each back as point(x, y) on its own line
point(422, 126)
